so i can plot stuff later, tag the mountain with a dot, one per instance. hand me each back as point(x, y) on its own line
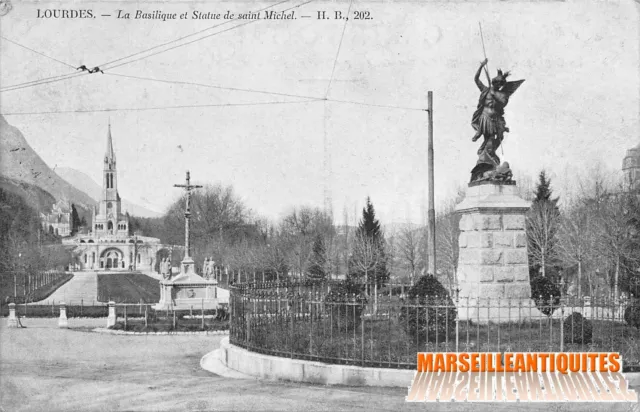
point(83, 182)
point(19, 163)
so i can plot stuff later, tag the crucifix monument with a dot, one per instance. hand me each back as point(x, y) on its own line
point(187, 289)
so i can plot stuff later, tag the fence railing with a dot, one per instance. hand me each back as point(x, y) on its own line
point(308, 321)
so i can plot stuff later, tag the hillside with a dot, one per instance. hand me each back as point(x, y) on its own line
point(39, 199)
point(86, 184)
point(20, 163)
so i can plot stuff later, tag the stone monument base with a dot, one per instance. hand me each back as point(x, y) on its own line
point(493, 267)
point(187, 290)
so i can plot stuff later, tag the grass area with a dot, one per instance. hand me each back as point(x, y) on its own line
point(386, 342)
point(128, 288)
point(55, 281)
point(167, 321)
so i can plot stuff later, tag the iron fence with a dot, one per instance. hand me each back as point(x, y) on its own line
point(305, 320)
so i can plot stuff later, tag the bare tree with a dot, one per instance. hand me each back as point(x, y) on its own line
point(617, 214)
point(367, 257)
point(409, 250)
point(543, 221)
point(576, 241)
point(447, 233)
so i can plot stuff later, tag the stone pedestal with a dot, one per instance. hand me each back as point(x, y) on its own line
point(12, 321)
point(187, 290)
point(62, 321)
point(493, 269)
point(111, 319)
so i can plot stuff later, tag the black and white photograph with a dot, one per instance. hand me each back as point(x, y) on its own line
point(321, 205)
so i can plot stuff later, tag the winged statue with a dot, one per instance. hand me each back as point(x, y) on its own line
point(488, 119)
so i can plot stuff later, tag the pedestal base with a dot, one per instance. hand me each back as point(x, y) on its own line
point(187, 291)
point(493, 267)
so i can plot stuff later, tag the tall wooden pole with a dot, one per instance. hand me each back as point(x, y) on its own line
point(431, 213)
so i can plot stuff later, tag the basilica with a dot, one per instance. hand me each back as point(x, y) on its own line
point(110, 245)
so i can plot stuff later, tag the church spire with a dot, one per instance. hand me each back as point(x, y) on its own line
point(110, 154)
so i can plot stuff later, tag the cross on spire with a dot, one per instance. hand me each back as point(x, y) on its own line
point(188, 188)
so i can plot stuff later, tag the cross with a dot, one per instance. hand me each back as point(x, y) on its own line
point(188, 187)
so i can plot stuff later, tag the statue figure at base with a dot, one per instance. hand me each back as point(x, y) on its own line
point(488, 122)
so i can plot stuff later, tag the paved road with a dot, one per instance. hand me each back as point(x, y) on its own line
point(83, 285)
point(46, 368)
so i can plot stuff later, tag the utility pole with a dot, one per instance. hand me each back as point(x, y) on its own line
point(431, 213)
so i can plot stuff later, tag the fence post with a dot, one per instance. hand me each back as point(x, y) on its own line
point(81, 306)
point(125, 316)
point(145, 316)
point(202, 311)
point(62, 322)
point(13, 321)
point(174, 319)
point(111, 319)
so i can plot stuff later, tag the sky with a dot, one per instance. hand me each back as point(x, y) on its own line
point(578, 106)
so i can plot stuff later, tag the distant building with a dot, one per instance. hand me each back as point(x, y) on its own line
point(631, 168)
point(109, 245)
point(58, 222)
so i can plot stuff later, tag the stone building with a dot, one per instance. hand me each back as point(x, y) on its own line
point(58, 222)
point(631, 168)
point(109, 245)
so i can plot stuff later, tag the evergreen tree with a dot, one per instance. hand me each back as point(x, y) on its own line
point(543, 190)
point(543, 224)
point(370, 232)
point(316, 270)
point(75, 220)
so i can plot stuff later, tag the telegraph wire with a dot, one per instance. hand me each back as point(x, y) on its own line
point(335, 61)
point(137, 109)
point(182, 38)
point(35, 81)
point(201, 38)
point(216, 87)
point(270, 93)
point(37, 52)
point(69, 76)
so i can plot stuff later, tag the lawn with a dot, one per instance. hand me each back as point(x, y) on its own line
point(128, 288)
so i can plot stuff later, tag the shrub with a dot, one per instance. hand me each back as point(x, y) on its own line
point(545, 294)
point(632, 314)
point(345, 303)
point(577, 329)
point(429, 314)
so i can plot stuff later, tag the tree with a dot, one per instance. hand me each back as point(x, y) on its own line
point(369, 256)
point(75, 220)
point(542, 226)
point(317, 267)
point(409, 250)
point(576, 241)
point(617, 218)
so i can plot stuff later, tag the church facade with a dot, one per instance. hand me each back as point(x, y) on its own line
point(109, 245)
point(58, 222)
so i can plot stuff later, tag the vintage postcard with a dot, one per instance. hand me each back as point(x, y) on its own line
point(319, 205)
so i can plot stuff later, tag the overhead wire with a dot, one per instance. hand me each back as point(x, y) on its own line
point(37, 52)
point(66, 77)
point(198, 39)
point(335, 61)
point(268, 92)
point(183, 37)
point(137, 109)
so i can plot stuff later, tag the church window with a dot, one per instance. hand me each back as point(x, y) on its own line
point(138, 257)
point(85, 258)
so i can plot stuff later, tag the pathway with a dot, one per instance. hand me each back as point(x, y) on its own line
point(46, 368)
point(83, 286)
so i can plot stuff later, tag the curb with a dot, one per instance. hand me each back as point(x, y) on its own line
point(213, 362)
point(126, 332)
